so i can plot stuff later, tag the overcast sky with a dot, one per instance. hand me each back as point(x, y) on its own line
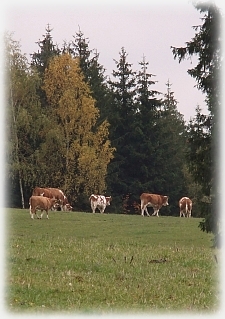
point(146, 28)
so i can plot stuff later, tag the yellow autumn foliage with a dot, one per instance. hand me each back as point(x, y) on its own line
point(86, 147)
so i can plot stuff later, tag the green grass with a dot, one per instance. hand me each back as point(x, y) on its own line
point(93, 263)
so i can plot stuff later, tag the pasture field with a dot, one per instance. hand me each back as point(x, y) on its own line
point(107, 263)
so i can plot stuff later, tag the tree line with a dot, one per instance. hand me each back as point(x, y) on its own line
point(70, 126)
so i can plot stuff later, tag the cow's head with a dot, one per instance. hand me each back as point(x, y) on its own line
point(56, 206)
point(108, 200)
point(165, 200)
point(68, 208)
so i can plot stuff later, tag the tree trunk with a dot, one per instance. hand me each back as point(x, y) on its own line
point(21, 191)
point(17, 148)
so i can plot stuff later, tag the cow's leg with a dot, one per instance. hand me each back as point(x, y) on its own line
point(47, 214)
point(142, 208)
point(142, 211)
point(93, 209)
point(40, 217)
point(31, 213)
point(189, 211)
point(146, 210)
point(156, 212)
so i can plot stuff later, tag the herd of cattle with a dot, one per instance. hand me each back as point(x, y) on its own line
point(45, 199)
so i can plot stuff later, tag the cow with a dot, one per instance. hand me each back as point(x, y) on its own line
point(152, 200)
point(100, 202)
point(185, 205)
point(40, 191)
point(66, 208)
point(53, 193)
point(63, 201)
point(41, 203)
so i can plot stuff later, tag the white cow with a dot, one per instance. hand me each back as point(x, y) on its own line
point(100, 202)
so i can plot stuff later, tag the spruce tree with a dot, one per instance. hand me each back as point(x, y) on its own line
point(171, 151)
point(94, 72)
point(148, 104)
point(206, 44)
point(121, 119)
point(41, 59)
point(141, 169)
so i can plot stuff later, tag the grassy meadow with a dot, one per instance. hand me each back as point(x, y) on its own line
point(105, 263)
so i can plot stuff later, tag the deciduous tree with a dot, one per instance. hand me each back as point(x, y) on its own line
point(23, 120)
point(85, 149)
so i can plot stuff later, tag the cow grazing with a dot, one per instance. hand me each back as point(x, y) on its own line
point(152, 200)
point(100, 202)
point(40, 191)
point(66, 208)
point(41, 203)
point(53, 193)
point(63, 201)
point(185, 205)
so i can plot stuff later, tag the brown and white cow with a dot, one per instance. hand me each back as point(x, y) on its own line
point(185, 205)
point(63, 201)
point(66, 208)
point(152, 200)
point(41, 203)
point(40, 191)
point(100, 202)
point(53, 193)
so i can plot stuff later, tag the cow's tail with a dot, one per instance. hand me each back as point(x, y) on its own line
point(30, 206)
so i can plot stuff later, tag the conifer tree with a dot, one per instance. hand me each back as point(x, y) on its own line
point(171, 150)
point(141, 168)
point(148, 104)
point(121, 117)
point(48, 50)
point(94, 72)
point(206, 44)
point(41, 59)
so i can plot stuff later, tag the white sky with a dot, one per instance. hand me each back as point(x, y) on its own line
point(143, 28)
